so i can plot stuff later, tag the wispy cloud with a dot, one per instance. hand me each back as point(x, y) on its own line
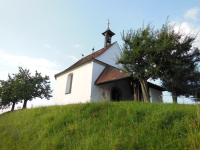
point(47, 46)
point(4, 75)
point(192, 13)
point(57, 52)
point(42, 65)
point(188, 28)
point(78, 46)
point(72, 57)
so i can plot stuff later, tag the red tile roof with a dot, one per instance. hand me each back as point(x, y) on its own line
point(86, 59)
point(111, 73)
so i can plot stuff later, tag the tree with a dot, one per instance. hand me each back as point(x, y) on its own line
point(28, 87)
point(141, 53)
point(194, 86)
point(4, 103)
point(157, 54)
point(180, 63)
point(7, 94)
point(182, 83)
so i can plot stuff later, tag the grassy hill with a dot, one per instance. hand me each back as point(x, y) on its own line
point(115, 125)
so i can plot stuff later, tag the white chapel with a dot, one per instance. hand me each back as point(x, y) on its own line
point(96, 77)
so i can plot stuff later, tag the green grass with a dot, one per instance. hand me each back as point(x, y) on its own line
point(107, 125)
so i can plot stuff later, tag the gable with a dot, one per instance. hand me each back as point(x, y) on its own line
point(87, 58)
point(109, 56)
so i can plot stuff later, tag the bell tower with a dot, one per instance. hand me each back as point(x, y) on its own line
point(108, 35)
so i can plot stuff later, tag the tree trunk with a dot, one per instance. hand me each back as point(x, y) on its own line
point(13, 106)
point(24, 105)
point(196, 97)
point(135, 88)
point(145, 91)
point(174, 96)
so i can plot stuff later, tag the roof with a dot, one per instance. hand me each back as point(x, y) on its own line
point(109, 31)
point(86, 59)
point(111, 74)
point(156, 86)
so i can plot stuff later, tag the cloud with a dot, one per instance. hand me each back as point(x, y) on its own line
point(47, 46)
point(192, 13)
point(9, 64)
point(78, 46)
point(68, 56)
point(184, 26)
point(57, 52)
point(42, 65)
point(4, 75)
point(187, 28)
point(72, 57)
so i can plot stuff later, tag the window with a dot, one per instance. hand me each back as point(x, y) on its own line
point(69, 84)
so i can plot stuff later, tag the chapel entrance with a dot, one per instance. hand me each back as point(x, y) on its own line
point(115, 94)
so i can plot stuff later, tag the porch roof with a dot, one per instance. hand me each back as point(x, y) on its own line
point(112, 74)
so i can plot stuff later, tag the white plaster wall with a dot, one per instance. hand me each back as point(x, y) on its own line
point(95, 91)
point(109, 56)
point(81, 86)
point(155, 95)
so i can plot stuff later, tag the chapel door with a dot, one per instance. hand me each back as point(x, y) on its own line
point(115, 95)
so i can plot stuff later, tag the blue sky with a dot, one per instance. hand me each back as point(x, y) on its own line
point(51, 35)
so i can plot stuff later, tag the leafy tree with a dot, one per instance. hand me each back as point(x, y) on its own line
point(4, 103)
point(141, 53)
point(148, 53)
point(184, 83)
point(28, 87)
point(180, 63)
point(194, 86)
point(7, 94)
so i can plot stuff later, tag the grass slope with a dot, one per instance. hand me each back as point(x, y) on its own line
point(115, 125)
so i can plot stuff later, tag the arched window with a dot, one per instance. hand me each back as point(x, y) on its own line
point(69, 83)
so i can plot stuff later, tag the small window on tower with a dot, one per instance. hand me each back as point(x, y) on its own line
point(69, 84)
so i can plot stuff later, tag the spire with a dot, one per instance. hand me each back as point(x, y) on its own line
point(108, 35)
point(108, 23)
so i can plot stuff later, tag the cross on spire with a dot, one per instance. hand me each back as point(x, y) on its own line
point(108, 22)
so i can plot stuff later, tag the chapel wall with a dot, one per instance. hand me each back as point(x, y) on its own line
point(97, 69)
point(155, 95)
point(81, 86)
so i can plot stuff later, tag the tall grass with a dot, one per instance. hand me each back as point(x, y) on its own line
point(107, 125)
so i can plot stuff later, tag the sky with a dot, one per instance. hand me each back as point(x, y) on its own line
point(51, 35)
